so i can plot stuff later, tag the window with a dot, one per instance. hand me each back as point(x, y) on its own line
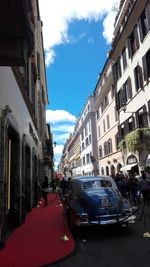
point(82, 135)
point(102, 107)
point(122, 130)
point(124, 58)
point(113, 90)
point(89, 126)
point(142, 118)
point(102, 171)
point(104, 128)
point(115, 114)
point(109, 146)
point(100, 152)
point(89, 139)
point(117, 139)
point(86, 142)
point(146, 65)
point(108, 123)
point(144, 22)
point(99, 132)
point(118, 99)
point(138, 77)
point(107, 170)
point(130, 125)
point(105, 149)
point(133, 42)
point(116, 69)
point(127, 91)
point(97, 114)
point(86, 130)
point(87, 158)
point(82, 145)
point(83, 160)
point(106, 101)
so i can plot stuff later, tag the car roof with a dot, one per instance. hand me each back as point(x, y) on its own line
point(87, 178)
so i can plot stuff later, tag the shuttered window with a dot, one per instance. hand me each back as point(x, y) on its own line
point(146, 65)
point(133, 42)
point(138, 77)
point(144, 22)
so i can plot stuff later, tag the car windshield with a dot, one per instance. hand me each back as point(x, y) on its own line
point(96, 184)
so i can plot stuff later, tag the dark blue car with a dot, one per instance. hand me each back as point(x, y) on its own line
point(96, 200)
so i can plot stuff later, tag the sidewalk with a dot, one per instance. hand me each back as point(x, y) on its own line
point(43, 239)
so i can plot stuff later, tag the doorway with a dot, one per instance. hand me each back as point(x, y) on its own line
point(12, 179)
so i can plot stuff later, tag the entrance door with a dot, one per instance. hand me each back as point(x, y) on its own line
point(12, 180)
point(28, 204)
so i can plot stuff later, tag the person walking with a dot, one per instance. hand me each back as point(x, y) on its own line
point(133, 186)
point(45, 190)
point(36, 191)
point(144, 188)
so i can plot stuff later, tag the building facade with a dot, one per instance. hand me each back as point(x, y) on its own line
point(131, 57)
point(109, 154)
point(23, 97)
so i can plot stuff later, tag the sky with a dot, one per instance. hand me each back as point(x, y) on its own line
point(77, 35)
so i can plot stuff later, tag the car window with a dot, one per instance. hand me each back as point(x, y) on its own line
point(106, 183)
point(96, 184)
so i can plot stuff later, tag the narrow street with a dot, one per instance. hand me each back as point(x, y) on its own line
point(111, 246)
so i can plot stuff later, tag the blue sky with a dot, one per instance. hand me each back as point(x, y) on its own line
point(76, 40)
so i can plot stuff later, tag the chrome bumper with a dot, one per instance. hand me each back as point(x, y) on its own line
point(101, 220)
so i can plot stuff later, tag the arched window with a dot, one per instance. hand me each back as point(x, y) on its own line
point(105, 149)
point(110, 146)
point(112, 171)
point(107, 170)
point(119, 167)
point(102, 171)
point(100, 152)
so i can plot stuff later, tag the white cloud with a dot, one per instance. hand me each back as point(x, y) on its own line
point(62, 125)
point(54, 116)
point(50, 57)
point(58, 149)
point(61, 138)
point(62, 128)
point(56, 16)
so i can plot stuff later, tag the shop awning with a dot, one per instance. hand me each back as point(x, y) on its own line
point(128, 167)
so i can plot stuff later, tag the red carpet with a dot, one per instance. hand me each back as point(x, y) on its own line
point(39, 240)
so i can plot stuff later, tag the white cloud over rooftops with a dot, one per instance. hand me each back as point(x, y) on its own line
point(56, 20)
point(62, 125)
point(54, 116)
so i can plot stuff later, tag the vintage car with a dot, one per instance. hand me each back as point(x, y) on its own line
point(96, 200)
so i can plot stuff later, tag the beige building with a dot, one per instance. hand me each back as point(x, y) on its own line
point(131, 75)
point(109, 154)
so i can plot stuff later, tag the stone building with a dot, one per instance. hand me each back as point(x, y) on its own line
point(23, 97)
point(109, 155)
point(131, 76)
